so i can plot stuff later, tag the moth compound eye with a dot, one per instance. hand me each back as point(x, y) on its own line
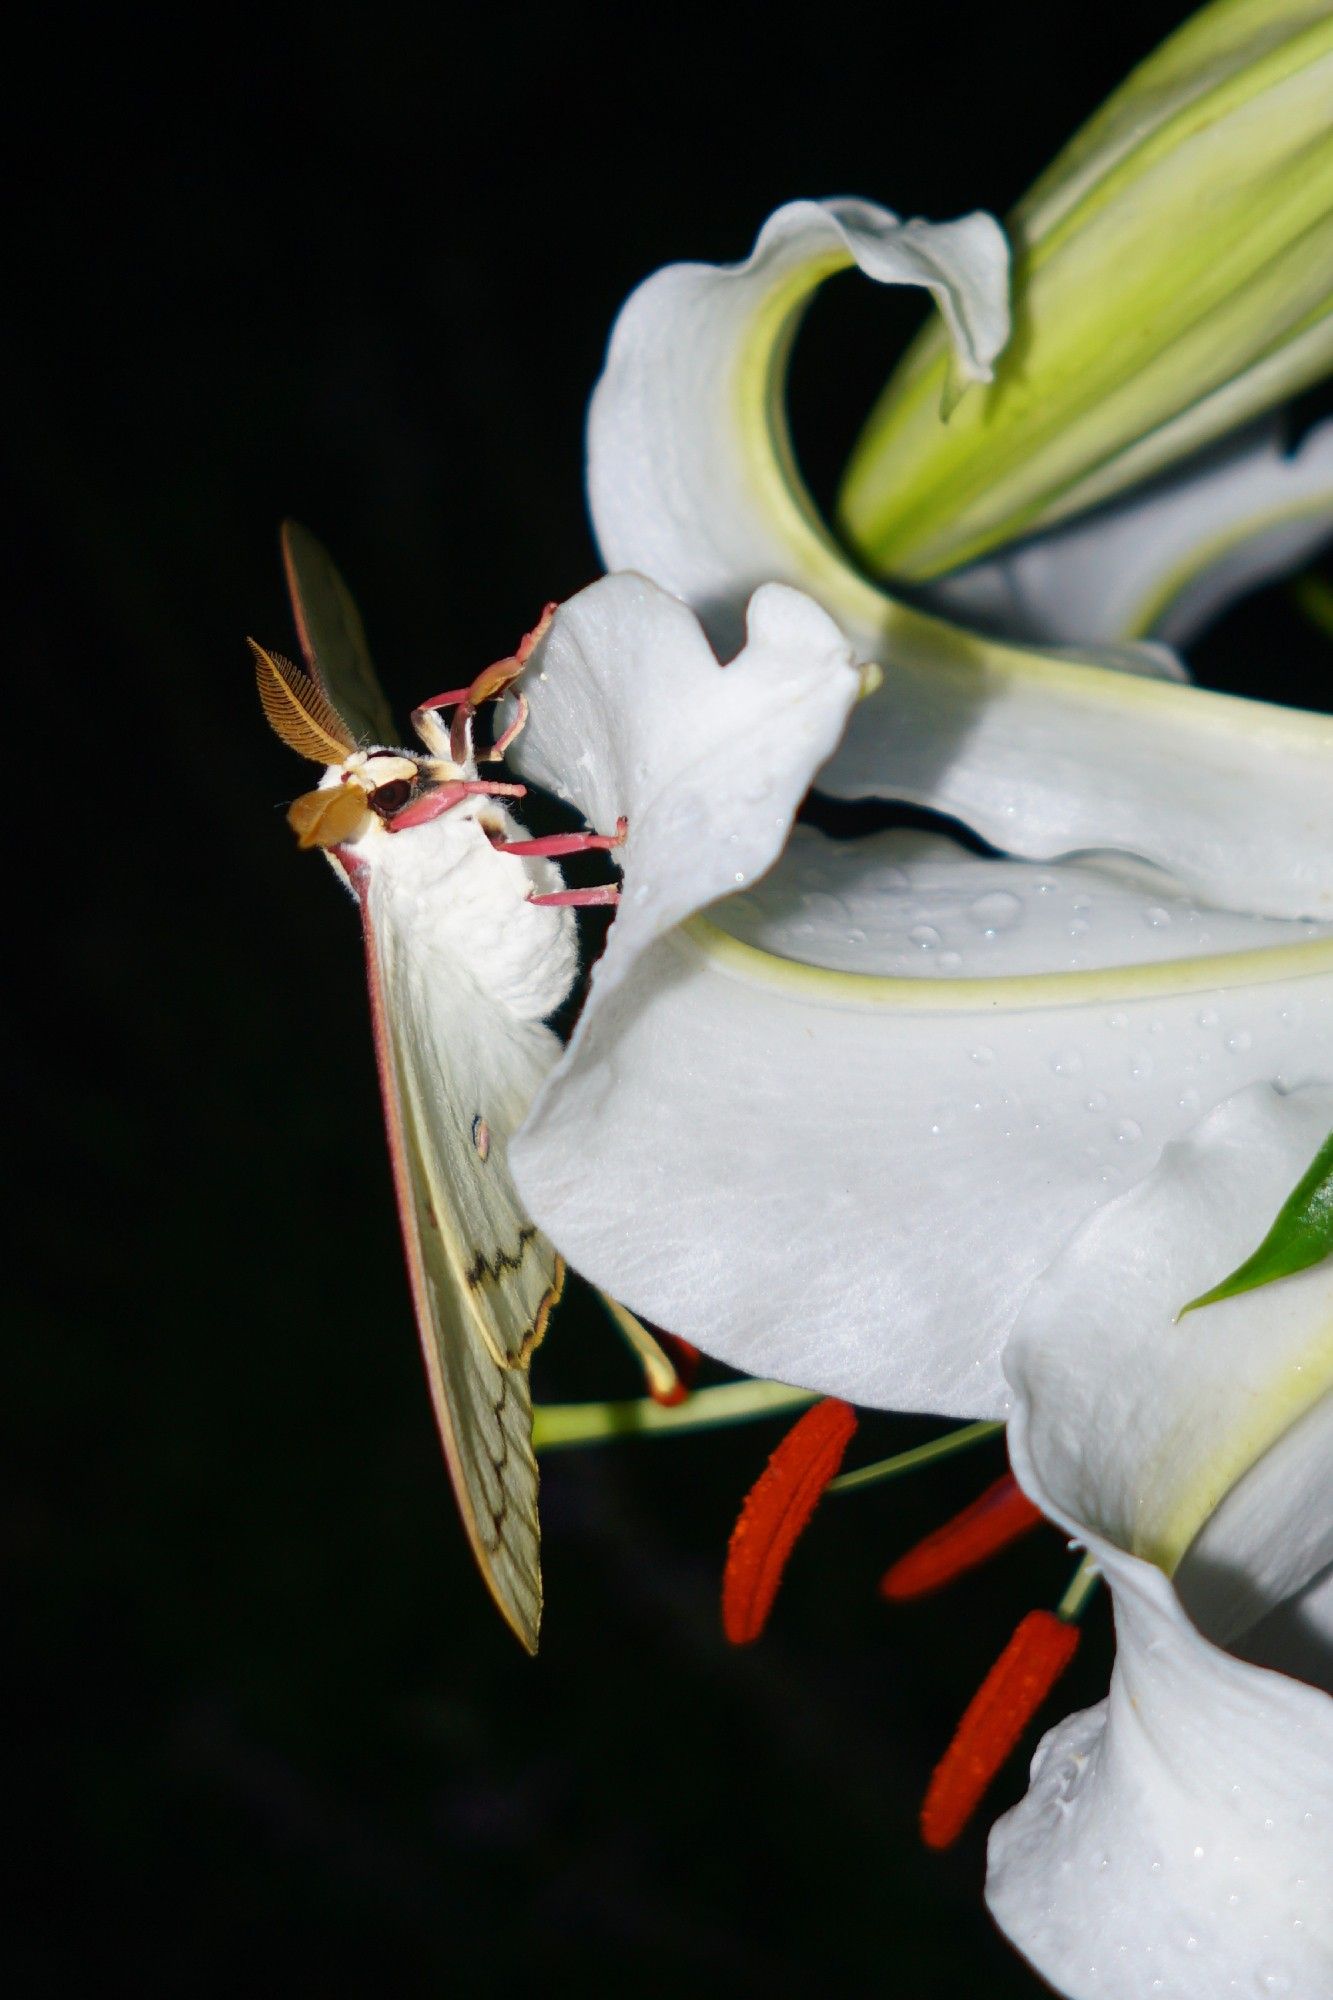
point(391, 798)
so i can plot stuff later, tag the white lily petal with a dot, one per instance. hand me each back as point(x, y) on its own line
point(631, 716)
point(1179, 1836)
point(1166, 560)
point(690, 473)
point(849, 1182)
point(917, 905)
point(692, 481)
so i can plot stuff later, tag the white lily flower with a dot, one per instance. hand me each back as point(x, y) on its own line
point(1178, 1837)
point(834, 1129)
point(692, 481)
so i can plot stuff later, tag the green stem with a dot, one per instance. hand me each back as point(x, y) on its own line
point(557, 1424)
point(1082, 1584)
point(908, 1461)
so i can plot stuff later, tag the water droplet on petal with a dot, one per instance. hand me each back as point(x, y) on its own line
point(1000, 911)
point(925, 936)
point(1128, 1132)
point(1239, 1041)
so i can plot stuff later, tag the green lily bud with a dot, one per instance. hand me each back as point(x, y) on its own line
point(1173, 277)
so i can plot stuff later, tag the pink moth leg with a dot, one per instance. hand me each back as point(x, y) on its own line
point(581, 899)
point(445, 797)
point(566, 843)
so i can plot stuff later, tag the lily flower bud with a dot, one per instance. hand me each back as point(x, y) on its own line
point(1172, 278)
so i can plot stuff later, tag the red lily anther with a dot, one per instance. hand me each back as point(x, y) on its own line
point(776, 1510)
point(994, 1720)
point(999, 1516)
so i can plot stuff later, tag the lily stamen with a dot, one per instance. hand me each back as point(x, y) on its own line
point(669, 1364)
point(996, 1518)
point(776, 1510)
point(1041, 1648)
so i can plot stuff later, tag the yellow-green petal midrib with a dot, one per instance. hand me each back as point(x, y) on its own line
point(1009, 993)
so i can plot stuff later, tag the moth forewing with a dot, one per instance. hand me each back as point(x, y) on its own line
point(463, 969)
point(483, 1278)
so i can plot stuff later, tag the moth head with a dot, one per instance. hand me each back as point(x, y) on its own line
point(359, 787)
point(371, 786)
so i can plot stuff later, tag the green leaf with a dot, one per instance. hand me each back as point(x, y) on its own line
point(1301, 1236)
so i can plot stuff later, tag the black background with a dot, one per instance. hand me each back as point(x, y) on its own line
point(359, 265)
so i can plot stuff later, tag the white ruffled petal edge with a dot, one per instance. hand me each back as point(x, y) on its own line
point(692, 482)
point(1178, 1838)
point(690, 471)
point(1166, 561)
point(847, 1180)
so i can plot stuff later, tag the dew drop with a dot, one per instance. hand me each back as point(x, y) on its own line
point(1097, 1102)
point(983, 1055)
point(950, 961)
point(997, 912)
point(1188, 1100)
point(1128, 1132)
point(1239, 1041)
point(1156, 917)
point(925, 936)
point(1209, 1017)
point(1067, 1063)
point(1140, 1063)
point(740, 875)
point(1078, 927)
point(1117, 1020)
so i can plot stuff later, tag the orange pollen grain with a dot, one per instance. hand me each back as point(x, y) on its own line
point(776, 1510)
point(999, 1516)
point(995, 1718)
